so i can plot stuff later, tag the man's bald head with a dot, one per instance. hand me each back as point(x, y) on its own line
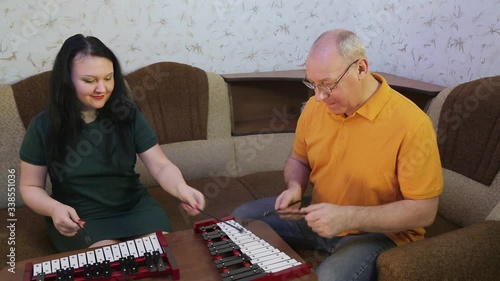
point(343, 43)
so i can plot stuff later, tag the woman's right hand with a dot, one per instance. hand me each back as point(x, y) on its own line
point(65, 219)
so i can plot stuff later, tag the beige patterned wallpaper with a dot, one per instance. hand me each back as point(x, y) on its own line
point(440, 41)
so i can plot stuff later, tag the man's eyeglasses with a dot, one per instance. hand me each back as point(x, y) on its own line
point(324, 88)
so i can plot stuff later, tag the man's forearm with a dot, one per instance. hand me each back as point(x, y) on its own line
point(296, 173)
point(393, 217)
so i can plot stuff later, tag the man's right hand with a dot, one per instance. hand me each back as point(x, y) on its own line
point(284, 203)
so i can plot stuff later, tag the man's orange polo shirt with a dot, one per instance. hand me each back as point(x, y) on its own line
point(385, 152)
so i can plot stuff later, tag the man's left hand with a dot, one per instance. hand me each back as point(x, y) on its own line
point(327, 220)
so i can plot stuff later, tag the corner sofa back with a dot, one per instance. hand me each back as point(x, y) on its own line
point(178, 88)
point(169, 96)
point(167, 93)
point(12, 132)
point(466, 118)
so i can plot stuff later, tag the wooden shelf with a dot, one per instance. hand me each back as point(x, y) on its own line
point(299, 74)
point(265, 102)
point(266, 105)
point(295, 75)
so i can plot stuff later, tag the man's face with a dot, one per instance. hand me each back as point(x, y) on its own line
point(335, 83)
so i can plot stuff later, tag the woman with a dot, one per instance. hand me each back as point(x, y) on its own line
point(87, 141)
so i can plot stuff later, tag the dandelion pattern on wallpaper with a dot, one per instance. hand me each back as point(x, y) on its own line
point(439, 41)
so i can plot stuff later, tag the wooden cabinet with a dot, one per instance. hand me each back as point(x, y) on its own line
point(265, 102)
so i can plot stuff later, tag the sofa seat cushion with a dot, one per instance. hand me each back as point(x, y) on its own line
point(469, 253)
point(264, 184)
point(222, 195)
point(267, 184)
point(465, 201)
point(441, 225)
point(195, 160)
point(30, 236)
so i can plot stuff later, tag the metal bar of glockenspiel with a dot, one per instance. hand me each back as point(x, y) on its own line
point(212, 216)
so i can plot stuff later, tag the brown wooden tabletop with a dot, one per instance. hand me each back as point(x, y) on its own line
point(190, 253)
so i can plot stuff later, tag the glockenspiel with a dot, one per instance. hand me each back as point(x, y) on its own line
point(243, 256)
point(132, 259)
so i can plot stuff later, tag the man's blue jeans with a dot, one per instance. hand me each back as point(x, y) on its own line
point(351, 257)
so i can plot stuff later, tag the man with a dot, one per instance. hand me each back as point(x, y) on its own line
point(372, 157)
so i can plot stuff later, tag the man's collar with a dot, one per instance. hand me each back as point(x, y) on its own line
point(377, 101)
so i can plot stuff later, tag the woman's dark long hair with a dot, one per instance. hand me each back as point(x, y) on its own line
point(65, 117)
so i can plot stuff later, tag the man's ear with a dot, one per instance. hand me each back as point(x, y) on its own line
point(362, 67)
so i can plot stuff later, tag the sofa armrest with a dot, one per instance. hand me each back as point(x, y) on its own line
point(469, 253)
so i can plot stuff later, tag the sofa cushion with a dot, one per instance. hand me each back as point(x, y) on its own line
point(222, 195)
point(469, 129)
point(12, 133)
point(465, 201)
point(440, 226)
point(264, 184)
point(173, 98)
point(219, 109)
point(495, 213)
point(32, 95)
point(267, 184)
point(262, 152)
point(469, 253)
point(30, 236)
point(196, 159)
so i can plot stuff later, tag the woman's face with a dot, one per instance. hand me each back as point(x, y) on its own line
point(93, 81)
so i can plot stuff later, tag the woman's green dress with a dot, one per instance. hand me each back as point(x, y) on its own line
point(103, 188)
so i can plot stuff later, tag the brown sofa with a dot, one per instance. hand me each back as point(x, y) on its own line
point(464, 242)
point(193, 124)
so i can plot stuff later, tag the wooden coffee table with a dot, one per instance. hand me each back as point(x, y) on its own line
point(190, 253)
